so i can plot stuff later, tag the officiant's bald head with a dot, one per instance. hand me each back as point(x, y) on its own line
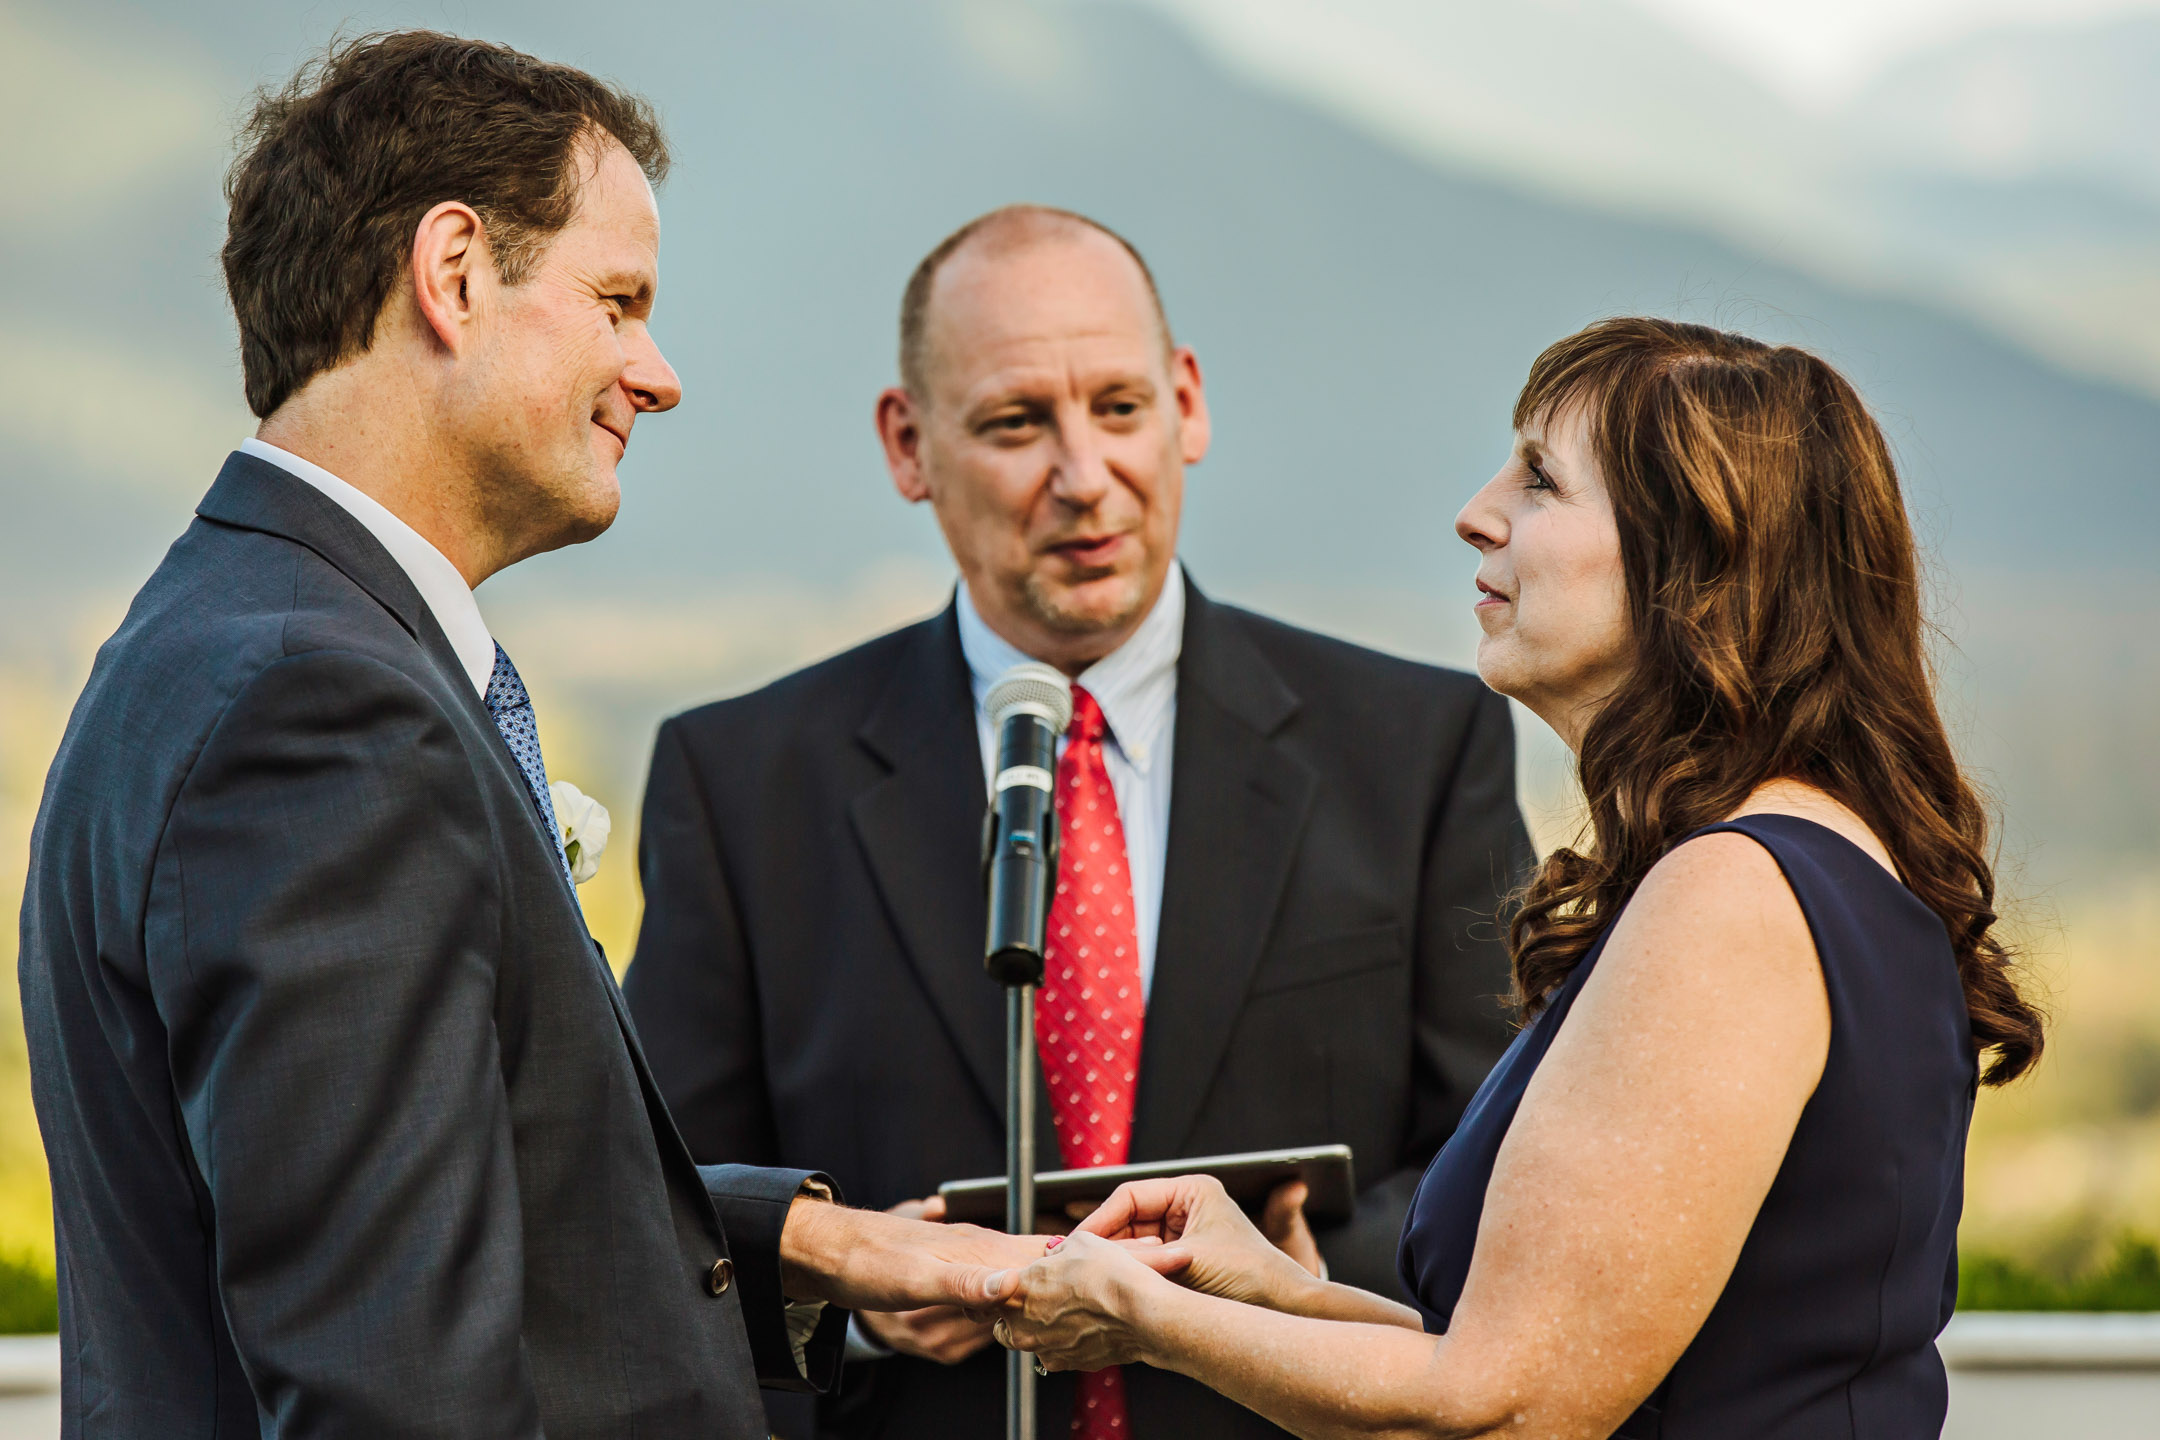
point(987, 239)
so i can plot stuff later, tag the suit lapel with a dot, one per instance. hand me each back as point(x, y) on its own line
point(1237, 808)
point(253, 494)
point(921, 831)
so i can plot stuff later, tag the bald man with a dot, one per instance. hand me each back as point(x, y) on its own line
point(1282, 853)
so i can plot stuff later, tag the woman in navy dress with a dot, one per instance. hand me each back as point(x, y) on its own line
point(1713, 1189)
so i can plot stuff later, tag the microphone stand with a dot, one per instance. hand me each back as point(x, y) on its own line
point(1019, 1184)
point(1031, 705)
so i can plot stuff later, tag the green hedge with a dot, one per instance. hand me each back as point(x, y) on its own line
point(2129, 1279)
point(29, 1300)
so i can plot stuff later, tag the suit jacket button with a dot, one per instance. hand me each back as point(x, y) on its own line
point(722, 1276)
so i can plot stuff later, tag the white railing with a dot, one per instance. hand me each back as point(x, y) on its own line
point(2029, 1376)
point(2012, 1377)
point(29, 1364)
point(29, 1387)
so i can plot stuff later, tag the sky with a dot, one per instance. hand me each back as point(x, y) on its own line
point(1817, 51)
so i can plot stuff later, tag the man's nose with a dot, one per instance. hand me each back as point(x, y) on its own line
point(1083, 475)
point(651, 381)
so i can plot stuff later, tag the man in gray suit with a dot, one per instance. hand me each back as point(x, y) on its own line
point(350, 1132)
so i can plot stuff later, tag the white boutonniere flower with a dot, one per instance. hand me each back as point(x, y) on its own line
point(585, 824)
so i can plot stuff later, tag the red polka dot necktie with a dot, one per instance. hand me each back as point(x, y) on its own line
point(1089, 1013)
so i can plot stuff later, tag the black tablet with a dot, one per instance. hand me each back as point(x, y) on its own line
point(1326, 1170)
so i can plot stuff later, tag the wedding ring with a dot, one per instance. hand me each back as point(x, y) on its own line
point(1040, 1368)
point(999, 1334)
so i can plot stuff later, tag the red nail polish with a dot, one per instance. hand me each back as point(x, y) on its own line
point(1055, 1241)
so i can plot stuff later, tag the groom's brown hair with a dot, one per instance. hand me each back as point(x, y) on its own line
point(337, 167)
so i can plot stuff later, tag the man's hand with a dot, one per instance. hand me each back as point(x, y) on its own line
point(1283, 1221)
point(867, 1261)
point(940, 1333)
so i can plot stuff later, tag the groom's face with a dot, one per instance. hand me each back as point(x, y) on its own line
point(567, 363)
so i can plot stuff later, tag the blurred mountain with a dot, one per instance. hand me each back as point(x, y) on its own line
point(2034, 156)
point(1987, 177)
point(1365, 309)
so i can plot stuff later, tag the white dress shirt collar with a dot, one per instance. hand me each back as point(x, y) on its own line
point(1136, 684)
point(438, 581)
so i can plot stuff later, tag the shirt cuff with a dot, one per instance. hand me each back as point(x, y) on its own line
point(802, 1316)
point(862, 1345)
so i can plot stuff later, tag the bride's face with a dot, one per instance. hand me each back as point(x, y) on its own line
point(1551, 598)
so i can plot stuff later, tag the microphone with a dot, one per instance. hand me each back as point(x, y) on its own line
point(1030, 706)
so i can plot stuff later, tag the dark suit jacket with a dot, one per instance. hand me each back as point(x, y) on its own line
point(349, 1131)
point(809, 978)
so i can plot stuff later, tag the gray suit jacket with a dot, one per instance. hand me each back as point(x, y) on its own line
point(350, 1132)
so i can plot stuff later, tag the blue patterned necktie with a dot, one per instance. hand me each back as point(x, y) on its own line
point(513, 712)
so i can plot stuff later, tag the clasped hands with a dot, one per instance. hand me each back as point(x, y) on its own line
point(950, 1332)
point(1085, 1304)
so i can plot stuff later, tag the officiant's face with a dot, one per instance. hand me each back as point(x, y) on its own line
point(1053, 437)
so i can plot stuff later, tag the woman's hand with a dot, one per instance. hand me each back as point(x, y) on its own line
point(1081, 1307)
point(1208, 1241)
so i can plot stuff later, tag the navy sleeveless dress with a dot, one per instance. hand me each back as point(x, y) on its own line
point(1827, 1327)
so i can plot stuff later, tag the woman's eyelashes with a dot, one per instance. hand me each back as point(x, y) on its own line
point(1539, 480)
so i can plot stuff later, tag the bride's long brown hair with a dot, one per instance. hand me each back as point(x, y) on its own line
point(1774, 601)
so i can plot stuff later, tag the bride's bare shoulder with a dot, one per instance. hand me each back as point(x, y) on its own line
point(1797, 797)
point(1713, 936)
